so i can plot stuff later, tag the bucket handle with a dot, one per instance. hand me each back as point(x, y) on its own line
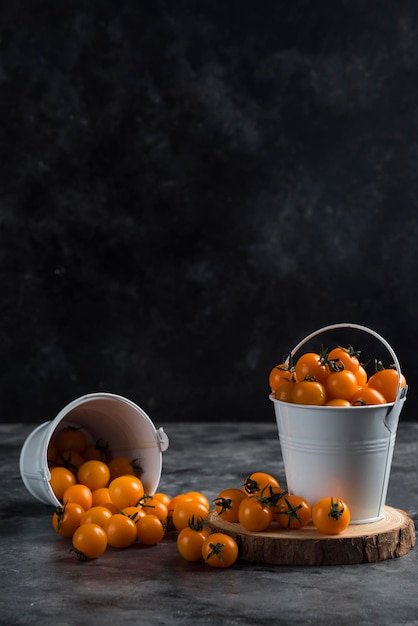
point(162, 439)
point(391, 424)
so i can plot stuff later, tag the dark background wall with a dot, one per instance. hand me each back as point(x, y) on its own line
point(189, 188)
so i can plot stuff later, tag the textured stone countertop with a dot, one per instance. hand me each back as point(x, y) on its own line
point(42, 582)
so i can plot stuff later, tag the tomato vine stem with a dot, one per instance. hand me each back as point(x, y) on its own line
point(215, 550)
point(335, 512)
point(225, 504)
point(292, 513)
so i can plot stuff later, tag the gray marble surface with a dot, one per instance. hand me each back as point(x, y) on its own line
point(42, 583)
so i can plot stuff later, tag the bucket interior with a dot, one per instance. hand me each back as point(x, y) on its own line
point(107, 418)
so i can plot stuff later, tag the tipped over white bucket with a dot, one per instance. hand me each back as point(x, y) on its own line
point(104, 416)
point(344, 452)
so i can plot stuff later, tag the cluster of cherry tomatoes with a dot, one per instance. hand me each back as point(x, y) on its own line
point(103, 503)
point(335, 378)
point(261, 502)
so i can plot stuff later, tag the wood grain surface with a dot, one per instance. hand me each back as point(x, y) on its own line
point(391, 537)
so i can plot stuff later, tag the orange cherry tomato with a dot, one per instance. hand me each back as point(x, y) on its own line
point(200, 497)
point(134, 512)
point(150, 530)
point(112, 507)
point(66, 519)
point(292, 511)
point(278, 375)
point(348, 357)
point(187, 511)
point(361, 376)
point(126, 491)
point(70, 438)
point(386, 382)
point(101, 496)
point(164, 497)
point(285, 391)
point(309, 392)
point(94, 474)
point(96, 515)
point(81, 494)
point(150, 504)
point(124, 466)
point(69, 459)
point(254, 514)
point(330, 515)
point(338, 402)
point(367, 395)
point(311, 365)
point(341, 385)
point(227, 503)
point(98, 451)
point(219, 550)
point(175, 500)
point(258, 482)
point(120, 530)
point(190, 541)
point(92, 453)
point(89, 541)
point(61, 478)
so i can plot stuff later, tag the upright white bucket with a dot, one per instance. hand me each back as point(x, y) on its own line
point(344, 452)
point(105, 416)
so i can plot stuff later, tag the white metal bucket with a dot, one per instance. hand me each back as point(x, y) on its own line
point(344, 452)
point(124, 425)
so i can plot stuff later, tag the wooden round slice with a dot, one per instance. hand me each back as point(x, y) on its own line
point(391, 537)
